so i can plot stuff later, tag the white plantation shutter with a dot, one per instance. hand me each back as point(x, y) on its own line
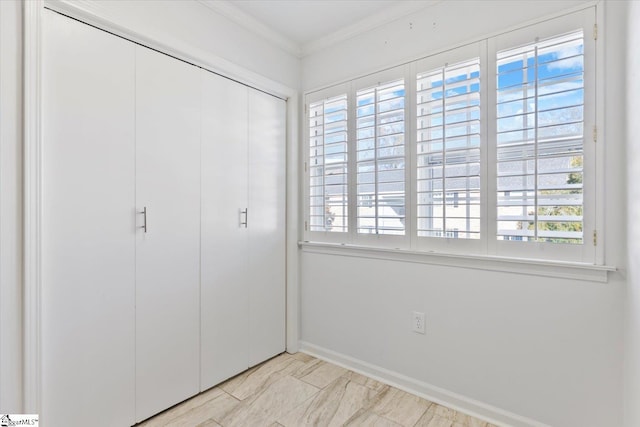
point(488, 164)
point(448, 151)
point(328, 186)
point(540, 140)
point(380, 159)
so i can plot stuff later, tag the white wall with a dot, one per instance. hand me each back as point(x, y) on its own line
point(441, 26)
point(545, 349)
point(550, 350)
point(10, 207)
point(632, 336)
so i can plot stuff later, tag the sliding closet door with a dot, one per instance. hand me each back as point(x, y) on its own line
point(267, 173)
point(168, 251)
point(88, 225)
point(225, 261)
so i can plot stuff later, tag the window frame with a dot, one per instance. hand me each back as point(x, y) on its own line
point(322, 95)
point(447, 244)
point(380, 240)
point(488, 244)
point(586, 252)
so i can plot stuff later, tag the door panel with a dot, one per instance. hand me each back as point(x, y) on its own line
point(224, 294)
point(267, 174)
point(88, 225)
point(168, 254)
point(126, 321)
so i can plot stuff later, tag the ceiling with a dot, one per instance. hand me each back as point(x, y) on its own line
point(302, 21)
point(304, 26)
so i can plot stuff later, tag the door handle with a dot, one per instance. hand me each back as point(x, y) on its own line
point(245, 212)
point(144, 213)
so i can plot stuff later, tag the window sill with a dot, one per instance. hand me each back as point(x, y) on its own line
point(535, 267)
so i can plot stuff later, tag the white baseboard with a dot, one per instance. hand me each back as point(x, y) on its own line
point(427, 391)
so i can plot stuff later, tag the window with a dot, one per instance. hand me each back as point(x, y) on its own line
point(381, 159)
point(540, 139)
point(448, 151)
point(493, 158)
point(328, 172)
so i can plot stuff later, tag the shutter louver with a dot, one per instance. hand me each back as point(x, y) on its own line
point(448, 151)
point(381, 159)
point(328, 197)
point(540, 103)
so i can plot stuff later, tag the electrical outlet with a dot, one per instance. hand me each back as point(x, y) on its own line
point(417, 322)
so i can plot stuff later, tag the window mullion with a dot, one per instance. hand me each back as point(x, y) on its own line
point(488, 157)
point(376, 196)
point(324, 163)
point(467, 193)
point(444, 151)
point(352, 162)
point(535, 141)
point(410, 138)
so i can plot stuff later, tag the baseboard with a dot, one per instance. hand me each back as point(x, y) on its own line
point(427, 391)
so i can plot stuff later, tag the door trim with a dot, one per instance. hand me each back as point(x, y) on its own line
point(32, 203)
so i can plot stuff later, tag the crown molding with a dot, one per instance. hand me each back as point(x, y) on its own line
point(401, 9)
point(378, 19)
point(235, 14)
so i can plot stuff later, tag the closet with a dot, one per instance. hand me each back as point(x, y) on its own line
point(88, 226)
point(167, 179)
point(242, 205)
point(163, 228)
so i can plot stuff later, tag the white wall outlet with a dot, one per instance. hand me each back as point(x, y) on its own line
point(417, 322)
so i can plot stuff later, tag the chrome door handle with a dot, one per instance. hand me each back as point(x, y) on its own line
point(245, 212)
point(144, 213)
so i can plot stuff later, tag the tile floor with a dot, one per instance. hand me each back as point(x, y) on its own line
point(293, 390)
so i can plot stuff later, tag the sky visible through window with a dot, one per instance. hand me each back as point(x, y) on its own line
point(540, 108)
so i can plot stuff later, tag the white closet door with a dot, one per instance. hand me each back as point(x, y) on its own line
point(88, 225)
point(224, 295)
point(267, 173)
point(168, 254)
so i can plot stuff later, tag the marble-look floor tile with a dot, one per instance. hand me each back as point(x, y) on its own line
point(332, 406)
point(232, 383)
point(215, 410)
point(165, 418)
point(468, 421)
point(257, 379)
point(368, 419)
point(442, 411)
point(438, 415)
point(365, 381)
point(401, 407)
point(320, 374)
point(303, 357)
point(433, 420)
point(307, 368)
point(270, 404)
point(300, 390)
